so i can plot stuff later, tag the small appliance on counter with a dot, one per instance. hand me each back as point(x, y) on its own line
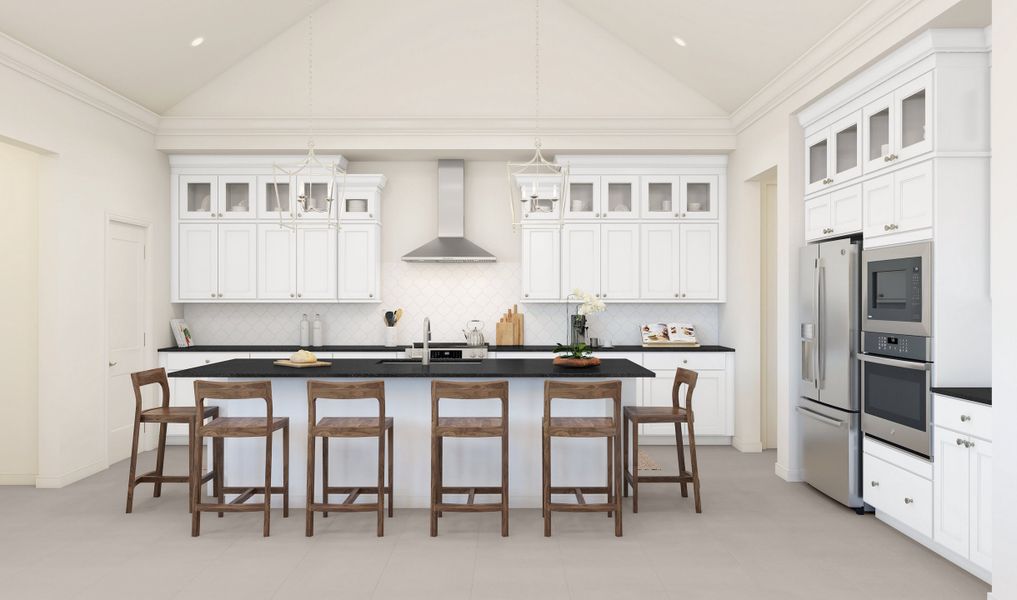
point(447, 351)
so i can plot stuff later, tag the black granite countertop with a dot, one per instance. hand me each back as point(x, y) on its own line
point(294, 348)
point(374, 367)
point(982, 395)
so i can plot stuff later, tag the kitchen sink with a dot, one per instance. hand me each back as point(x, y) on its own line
point(410, 361)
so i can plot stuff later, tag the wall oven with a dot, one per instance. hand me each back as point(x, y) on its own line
point(896, 396)
point(897, 289)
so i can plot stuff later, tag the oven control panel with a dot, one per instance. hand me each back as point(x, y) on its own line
point(913, 347)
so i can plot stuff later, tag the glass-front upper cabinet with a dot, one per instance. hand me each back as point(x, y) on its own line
point(237, 196)
point(276, 197)
point(357, 203)
point(877, 140)
point(898, 126)
point(660, 198)
point(540, 197)
point(833, 155)
point(313, 196)
point(197, 196)
point(817, 161)
point(583, 199)
point(619, 196)
point(699, 197)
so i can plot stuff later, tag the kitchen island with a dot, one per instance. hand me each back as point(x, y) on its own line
point(408, 401)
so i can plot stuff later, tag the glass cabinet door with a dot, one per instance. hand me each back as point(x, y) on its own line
point(583, 198)
point(699, 197)
point(913, 105)
point(197, 197)
point(237, 196)
point(358, 203)
point(276, 197)
point(817, 161)
point(846, 155)
point(878, 144)
point(660, 197)
point(619, 195)
point(313, 194)
point(540, 197)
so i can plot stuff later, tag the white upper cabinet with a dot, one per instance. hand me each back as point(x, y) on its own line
point(661, 196)
point(912, 105)
point(699, 197)
point(316, 262)
point(835, 214)
point(541, 197)
point(359, 202)
point(878, 210)
point(817, 161)
point(277, 262)
point(698, 255)
point(583, 199)
point(276, 198)
point(833, 154)
point(359, 248)
point(197, 197)
point(619, 261)
point(898, 202)
point(542, 261)
point(818, 217)
point(315, 196)
point(658, 261)
point(238, 265)
point(877, 138)
point(198, 262)
point(581, 245)
point(237, 197)
point(619, 197)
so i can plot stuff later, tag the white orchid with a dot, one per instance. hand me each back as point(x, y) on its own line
point(590, 303)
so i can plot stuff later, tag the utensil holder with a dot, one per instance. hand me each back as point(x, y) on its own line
point(390, 337)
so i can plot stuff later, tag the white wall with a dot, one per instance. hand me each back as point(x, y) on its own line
point(99, 165)
point(1004, 298)
point(19, 313)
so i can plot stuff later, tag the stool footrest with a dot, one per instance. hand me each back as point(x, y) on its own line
point(154, 477)
point(363, 507)
point(595, 507)
point(584, 489)
point(364, 489)
point(683, 478)
point(494, 489)
point(459, 507)
point(229, 507)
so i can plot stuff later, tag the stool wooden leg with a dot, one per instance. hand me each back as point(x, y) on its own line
point(504, 485)
point(695, 466)
point(218, 449)
point(286, 471)
point(625, 457)
point(324, 474)
point(435, 482)
point(193, 477)
point(617, 491)
point(546, 476)
point(681, 457)
point(196, 498)
point(635, 468)
point(160, 461)
point(610, 459)
point(268, 486)
point(441, 472)
point(133, 474)
point(391, 463)
point(381, 483)
point(309, 511)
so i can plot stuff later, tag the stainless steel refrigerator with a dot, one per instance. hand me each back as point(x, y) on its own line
point(828, 404)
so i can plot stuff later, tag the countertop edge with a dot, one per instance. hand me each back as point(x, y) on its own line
point(980, 395)
point(400, 348)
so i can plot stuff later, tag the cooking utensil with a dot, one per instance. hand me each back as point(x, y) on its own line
point(474, 335)
point(389, 318)
point(398, 315)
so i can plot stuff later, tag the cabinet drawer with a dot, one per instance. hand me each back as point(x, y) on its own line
point(687, 360)
point(898, 493)
point(186, 360)
point(963, 416)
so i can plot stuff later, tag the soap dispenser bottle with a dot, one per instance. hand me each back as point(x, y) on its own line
point(317, 333)
point(305, 332)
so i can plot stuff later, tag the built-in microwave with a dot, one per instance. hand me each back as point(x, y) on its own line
point(897, 289)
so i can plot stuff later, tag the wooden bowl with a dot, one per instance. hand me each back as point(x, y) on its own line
point(560, 361)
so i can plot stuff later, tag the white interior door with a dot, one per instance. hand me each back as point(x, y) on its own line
point(126, 324)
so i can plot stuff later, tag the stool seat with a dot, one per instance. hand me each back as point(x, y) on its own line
point(469, 427)
point(175, 414)
point(350, 426)
point(655, 414)
point(242, 426)
point(582, 427)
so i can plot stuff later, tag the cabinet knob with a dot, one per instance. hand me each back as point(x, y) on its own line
point(960, 442)
point(220, 295)
point(526, 295)
point(370, 295)
point(874, 483)
point(370, 215)
point(300, 295)
point(676, 215)
point(909, 500)
point(886, 228)
point(603, 295)
point(213, 295)
point(887, 158)
point(292, 295)
point(685, 361)
point(893, 157)
point(676, 294)
point(220, 215)
point(965, 418)
point(683, 295)
point(300, 215)
point(207, 361)
point(968, 444)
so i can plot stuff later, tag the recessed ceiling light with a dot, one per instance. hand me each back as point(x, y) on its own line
point(200, 40)
point(679, 41)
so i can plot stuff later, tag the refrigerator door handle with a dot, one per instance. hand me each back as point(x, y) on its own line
point(818, 417)
point(821, 322)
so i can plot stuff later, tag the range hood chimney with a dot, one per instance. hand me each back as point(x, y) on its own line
point(450, 246)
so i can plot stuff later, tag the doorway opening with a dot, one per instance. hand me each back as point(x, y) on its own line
point(768, 306)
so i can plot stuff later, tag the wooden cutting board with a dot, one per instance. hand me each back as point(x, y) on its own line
point(289, 363)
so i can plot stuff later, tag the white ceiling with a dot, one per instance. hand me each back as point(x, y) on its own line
point(734, 46)
point(141, 48)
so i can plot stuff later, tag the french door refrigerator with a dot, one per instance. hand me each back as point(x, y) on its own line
point(828, 404)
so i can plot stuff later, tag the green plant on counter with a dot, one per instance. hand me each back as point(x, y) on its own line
point(580, 350)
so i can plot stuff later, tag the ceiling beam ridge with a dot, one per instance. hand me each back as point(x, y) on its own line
point(26, 60)
point(855, 31)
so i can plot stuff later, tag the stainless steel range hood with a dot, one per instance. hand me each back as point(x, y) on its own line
point(450, 245)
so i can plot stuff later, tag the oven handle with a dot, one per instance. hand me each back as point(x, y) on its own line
point(894, 362)
point(821, 418)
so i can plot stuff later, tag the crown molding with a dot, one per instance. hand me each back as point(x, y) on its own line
point(851, 34)
point(182, 134)
point(35, 65)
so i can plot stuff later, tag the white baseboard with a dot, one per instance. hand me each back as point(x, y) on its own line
point(17, 479)
point(929, 543)
point(786, 474)
point(747, 445)
point(176, 440)
point(66, 479)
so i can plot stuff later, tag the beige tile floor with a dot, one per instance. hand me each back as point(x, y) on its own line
point(758, 537)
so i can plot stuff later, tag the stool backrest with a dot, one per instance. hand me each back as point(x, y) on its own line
point(140, 379)
point(689, 378)
point(469, 390)
point(332, 390)
point(575, 390)
point(234, 390)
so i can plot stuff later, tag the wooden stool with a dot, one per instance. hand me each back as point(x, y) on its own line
point(240, 427)
point(163, 415)
point(636, 415)
point(471, 427)
point(348, 427)
point(571, 427)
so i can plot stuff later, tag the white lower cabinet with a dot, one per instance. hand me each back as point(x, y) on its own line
point(712, 400)
point(182, 390)
point(359, 248)
point(899, 485)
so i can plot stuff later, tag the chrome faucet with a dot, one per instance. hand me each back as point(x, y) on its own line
point(425, 359)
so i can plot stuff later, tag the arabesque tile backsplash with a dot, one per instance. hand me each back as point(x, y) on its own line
point(450, 294)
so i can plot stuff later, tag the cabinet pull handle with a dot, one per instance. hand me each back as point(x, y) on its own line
point(874, 483)
point(965, 418)
point(909, 500)
point(112, 363)
point(886, 228)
